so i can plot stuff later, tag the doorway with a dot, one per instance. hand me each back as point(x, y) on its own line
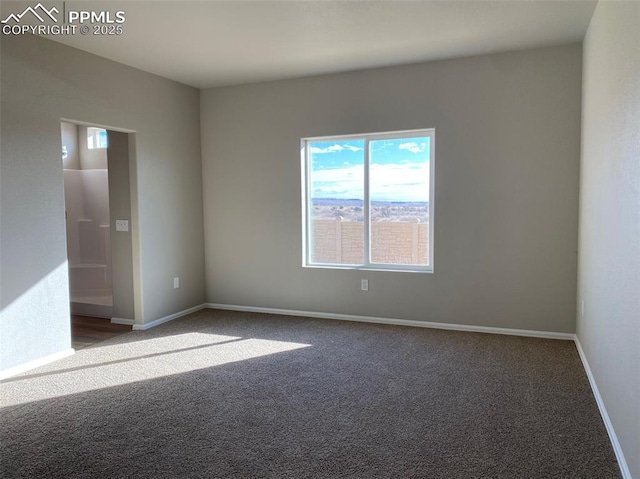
point(86, 193)
point(98, 224)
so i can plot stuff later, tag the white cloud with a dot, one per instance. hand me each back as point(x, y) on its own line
point(334, 148)
point(338, 182)
point(413, 147)
point(394, 182)
point(399, 182)
point(351, 147)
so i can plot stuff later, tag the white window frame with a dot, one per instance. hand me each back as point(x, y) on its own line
point(306, 201)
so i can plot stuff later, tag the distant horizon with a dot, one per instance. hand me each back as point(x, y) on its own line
point(360, 201)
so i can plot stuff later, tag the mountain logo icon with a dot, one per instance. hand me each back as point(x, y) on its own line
point(34, 10)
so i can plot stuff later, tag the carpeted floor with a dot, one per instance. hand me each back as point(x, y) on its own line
point(240, 395)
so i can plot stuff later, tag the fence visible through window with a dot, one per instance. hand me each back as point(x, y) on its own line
point(340, 242)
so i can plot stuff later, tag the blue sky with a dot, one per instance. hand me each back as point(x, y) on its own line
point(399, 169)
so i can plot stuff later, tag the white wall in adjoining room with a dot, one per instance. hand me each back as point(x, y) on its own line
point(69, 133)
point(42, 83)
point(609, 260)
point(86, 201)
point(507, 150)
point(86, 194)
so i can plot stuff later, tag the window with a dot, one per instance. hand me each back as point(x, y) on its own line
point(96, 138)
point(368, 201)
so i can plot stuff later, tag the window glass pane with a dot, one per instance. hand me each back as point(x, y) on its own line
point(399, 200)
point(102, 138)
point(336, 201)
point(96, 138)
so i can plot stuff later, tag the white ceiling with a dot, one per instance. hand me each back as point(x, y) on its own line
point(215, 43)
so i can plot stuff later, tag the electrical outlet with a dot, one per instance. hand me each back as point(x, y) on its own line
point(176, 283)
point(364, 284)
point(122, 225)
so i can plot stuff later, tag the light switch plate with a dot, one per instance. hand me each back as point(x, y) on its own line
point(122, 225)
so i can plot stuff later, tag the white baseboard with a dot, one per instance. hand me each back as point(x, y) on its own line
point(184, 312)
point(617, 449)
point(398, 322)
point(130, 322)
point(22, 368)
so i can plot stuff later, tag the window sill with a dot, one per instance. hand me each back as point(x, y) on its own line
point(383, 268)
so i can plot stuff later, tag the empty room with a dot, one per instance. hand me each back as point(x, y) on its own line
point(322, 239)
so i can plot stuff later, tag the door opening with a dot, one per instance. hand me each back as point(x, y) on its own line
point(86, 191)
point(99, 174)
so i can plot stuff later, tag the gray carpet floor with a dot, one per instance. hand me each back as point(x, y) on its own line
point(240, 395)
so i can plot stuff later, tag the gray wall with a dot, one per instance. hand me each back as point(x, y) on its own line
point(120, 209)
point(506, 189)
point(43, 82)
point(609, 266)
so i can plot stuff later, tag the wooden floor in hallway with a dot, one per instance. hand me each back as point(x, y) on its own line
point(86, 330)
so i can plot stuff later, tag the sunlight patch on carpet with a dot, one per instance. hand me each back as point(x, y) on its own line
point(119, 364)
